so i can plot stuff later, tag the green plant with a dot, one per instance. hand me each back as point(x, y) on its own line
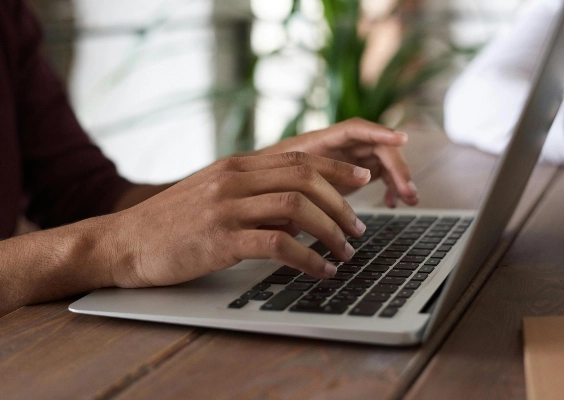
point(347, 96)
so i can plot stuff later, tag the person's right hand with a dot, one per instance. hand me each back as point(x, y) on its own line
point(239, 208)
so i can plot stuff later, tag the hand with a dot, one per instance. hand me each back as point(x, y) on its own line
point(239, 208)
point(362, 143)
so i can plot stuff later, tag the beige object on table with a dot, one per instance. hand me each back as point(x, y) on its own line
point(544, 357)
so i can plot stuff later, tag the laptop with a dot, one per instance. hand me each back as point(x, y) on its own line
point(409, 269)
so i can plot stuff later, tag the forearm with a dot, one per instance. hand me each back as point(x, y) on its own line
point(56, 263)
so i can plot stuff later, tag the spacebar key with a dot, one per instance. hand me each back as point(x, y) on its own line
point(281, 300)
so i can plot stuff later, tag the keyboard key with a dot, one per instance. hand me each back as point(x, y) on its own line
point(262, 296)
point(452, 220)
point(249, 294)
point(342, 276)
point(379, 297)
point(450, 241)
point(433, 240)
point(392, 280)
point(404, 273)
point(314, 298)
point(425, 246)
point(369, 275)
point(402, 248)
point(419, 252)
point(406, 242)
point(349, 268)
point(426, 268)
point(281, 300)
point(288, 271)
point(408, 266)
point(316, 308)
point(391, 254)
point(365, 283)
point(261, 286)
point(325, 291)
point(299, 286)
point(379, 242)
point(413, 259)
point(307, 278)
point(413, 285)
point(278, 279)
point(389, 312)
point(433, 262)
point(455, 236)
point(397, 302)
point(346, 299)
point(365, 254)
point(383, 261)
point(377, 268)
point(405, 293)
point(386, 288)
point(419, 277)
point(444, 247)
point(356, 261)
point(353, 291)
point(365, 308)
point(238, 303)
point(439, 254)
point(330, 284)
point(374, 248)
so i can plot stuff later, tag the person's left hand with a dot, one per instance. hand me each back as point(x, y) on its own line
point(366, 144)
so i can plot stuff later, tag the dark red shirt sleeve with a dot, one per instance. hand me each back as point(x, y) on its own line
point(65, 176)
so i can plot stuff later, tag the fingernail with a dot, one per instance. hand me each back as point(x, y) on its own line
point(359, 226)
point(361, 173)
point(405, 136)
point(349, 250)
point(330, 270)
point(412, 186)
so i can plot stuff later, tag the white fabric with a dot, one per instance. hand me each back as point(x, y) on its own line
point(483, 105)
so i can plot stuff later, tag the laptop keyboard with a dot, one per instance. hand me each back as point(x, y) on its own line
point(393, 257)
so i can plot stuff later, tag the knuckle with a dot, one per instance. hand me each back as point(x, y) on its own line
point(218, 184)
point(292, 201)
point(276, 242)
point(296, 157)
point(227, 163)
point(305, 172)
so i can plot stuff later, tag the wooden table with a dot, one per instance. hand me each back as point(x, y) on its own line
point(47, 352)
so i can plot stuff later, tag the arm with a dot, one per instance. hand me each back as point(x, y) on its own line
point(482, 107)
point(182, 232)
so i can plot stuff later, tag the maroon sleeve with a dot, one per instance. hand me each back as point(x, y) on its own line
point(66, 177)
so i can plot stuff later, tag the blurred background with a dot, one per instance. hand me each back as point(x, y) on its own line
point(165, 87)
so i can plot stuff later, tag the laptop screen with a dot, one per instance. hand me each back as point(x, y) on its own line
point(512, 173)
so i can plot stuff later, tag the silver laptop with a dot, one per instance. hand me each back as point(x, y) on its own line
point(409, 269)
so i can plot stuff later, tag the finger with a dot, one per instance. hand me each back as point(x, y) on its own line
point(395, 165)
point(356, 130)
point(306, 180)
point(335, 172)
point(289, 228)
point(391, 195)
point(279, 246)
point(282, 208)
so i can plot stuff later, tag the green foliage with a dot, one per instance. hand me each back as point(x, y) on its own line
point(406, 72)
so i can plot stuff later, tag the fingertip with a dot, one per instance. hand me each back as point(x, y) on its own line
point(362, 174)
point(401, 137)
point(329, 270)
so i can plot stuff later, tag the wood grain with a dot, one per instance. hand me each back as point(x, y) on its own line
point(483, 356)
point(46, 352)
